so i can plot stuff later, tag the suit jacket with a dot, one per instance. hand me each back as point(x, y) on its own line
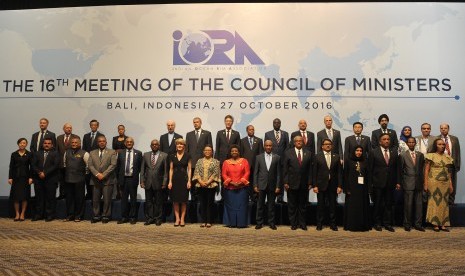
point(295, 175)
point(251, 153)
point(155, 177)
point(410, 175)
point(50, 167)
point(165, 144)
point(264, 177)
point(351, 142)
point(117, 145)
point(60, 145)
point(194, 147)
point(310, 146)
point(381, 175)
point(87, 144)
point(455, 154)
point(35, 137)
point(422, 147)
point(337, 144)
point(375, 138)
point(105, 166)
point(222, 145)
point(283, 145)
point(327, 178)
point(136, 166)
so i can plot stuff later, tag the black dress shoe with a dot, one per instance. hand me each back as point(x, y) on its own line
point(303, 227)
point(406, 228)
point(147, 223)
point(258, 226)
point(36, 218)
point(419, 228)
point(389, 228)
point(124, 220)
point(378, 228)
point(273, 227)
point(319, 227)
point(105, 220)
point(158, 223)
point(49, 219)
point(293, 227)
point(334, 228)
point(133, 221)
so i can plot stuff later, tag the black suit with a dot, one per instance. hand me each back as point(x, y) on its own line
point(129, 183)
point(281, 147)
point(250, 153)
point(165, 145)
point(267, 181)
point(382, 180)
point(299, 178)
point(310, 145)
point(45, 189)
point(351, 143)
point(375, 138)
point(89, 145)
point(327, 180)
point(222, 144)
point(337, 141)
point(35, 138)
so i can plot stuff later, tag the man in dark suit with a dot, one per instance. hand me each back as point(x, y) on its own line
point(332, 134)
point(250, 147)
point(297, 171)
point(411, 164)
point(196, 141)
point(37, 139)
point(63, 144)
point(280, 139)
point(383, 121)
point(102, 165)
point(266, 183)
point(154, 179)
point(167, 140)
point(425, 140)
point(452, 149)
point(128, 167)
point(46, 171)
point(357, 140)
point(382, 180)
point(89, 143)
point(327, 183)
point(307, 136)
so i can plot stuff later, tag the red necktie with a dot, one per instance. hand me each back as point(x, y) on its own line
point(299, 157)
point(386, 156)
point(66, 140)
point(305, 137)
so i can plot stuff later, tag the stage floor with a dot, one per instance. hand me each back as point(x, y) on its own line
point(70, 248)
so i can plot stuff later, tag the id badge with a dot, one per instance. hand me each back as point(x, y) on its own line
point(360, 180)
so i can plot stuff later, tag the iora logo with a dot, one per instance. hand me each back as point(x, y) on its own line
point(213, 47)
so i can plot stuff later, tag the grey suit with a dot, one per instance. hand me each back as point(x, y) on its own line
point(267, 181)
point(411, 179)
point(154, 179)
point(455, 154)
point(106, 165)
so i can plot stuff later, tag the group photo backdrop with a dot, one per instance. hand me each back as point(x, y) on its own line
point(142, 65)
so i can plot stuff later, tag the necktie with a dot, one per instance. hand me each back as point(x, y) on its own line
point(45, 156)
point(197, 135)
point(128, 163)
point(154, 159)
point(358, 140)
point(446, 140)
point(268, 161)
point(386, 156)
point(92, 137)
point(304, 137)
point(251, 142)
point(299, 157)
point(328, 159)
point(227, 136)
point(413, 157)
point(66, 140)
point(277, 137)
point(41, 141)
point(330, 136)
point(100, 155)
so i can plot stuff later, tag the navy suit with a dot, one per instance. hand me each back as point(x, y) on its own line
point(310, 145)
point(129, 183)
point(267, 181)
point(281, 147)
point(45, 189)
point(351, 143)
point(165, 145)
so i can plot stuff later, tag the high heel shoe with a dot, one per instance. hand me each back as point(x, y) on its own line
point(444, 229)
point(176, 224)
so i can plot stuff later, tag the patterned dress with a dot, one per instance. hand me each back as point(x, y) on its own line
point(438, 189)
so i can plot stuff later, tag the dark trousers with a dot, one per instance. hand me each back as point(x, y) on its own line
point(453, 173)
point(327, 200)
point(75, 203)
point(107, 192)
point(46, 198)
point(62, 184)
point(154, 204)
point(382, 213)
point(89, 188)
point(296, 204)
point(207, 200)
point(270, 197)
point(413, 200)
point(128, 190)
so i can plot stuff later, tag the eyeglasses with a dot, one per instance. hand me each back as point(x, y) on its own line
point(425, 128)
point(327, 144)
